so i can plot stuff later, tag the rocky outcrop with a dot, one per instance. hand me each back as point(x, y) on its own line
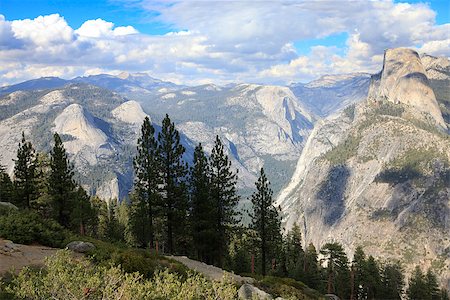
point(80, 247)
point(250, 292)
point(403, 79)
point(377, 175)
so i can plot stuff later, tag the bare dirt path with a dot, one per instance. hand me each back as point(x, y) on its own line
point(16, 256)
point(211, 272)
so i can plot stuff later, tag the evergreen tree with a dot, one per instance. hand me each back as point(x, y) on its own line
point(202, 220)
point(311, 267)
point(174, 194)
point(25, 174)
point(61, 185)
point(417, 289)
point(265, 221)
point(338, 281)
point(392, 281)
point(146, 184)
point(359, 274)
point(224, 197)
point(295, 256)
point(6, 186)
point(373, 280)
point(43, 203)
point(432, 286)
point(83, 217)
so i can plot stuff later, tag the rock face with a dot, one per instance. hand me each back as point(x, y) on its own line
point(250, 292)
point(403, 79)
point(377, 175)
point(80, 247)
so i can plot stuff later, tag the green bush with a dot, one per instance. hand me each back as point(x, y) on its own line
point(131, 260)
point(66, 277)
point(27, 227)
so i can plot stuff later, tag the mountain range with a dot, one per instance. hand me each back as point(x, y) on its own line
point(360, 158)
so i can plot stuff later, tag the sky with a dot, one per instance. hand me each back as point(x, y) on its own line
point(211, 41)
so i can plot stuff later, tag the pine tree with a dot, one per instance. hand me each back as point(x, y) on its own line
point(265, 220)
point(432, 286)
point(311, 267)
point(61, 185)
point(146, 184)
point(174, 195)
point(373, 280)
point(392, 281)
point(202, 222)
point(83, 216)
point(6, 186)
point(358, 270)
point(417, 289)
point(295, 256)
point(224, 197)
point(43, 203)
point(25, 174)
point(338, 281)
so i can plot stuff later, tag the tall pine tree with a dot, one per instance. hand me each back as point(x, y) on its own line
point(147, 179)
point(224, 197)
point(25, 174)
point(61, 185)
point(6, 186)
point(174, 195)
point(265, 221)
point(338, 281)
point(202, 222)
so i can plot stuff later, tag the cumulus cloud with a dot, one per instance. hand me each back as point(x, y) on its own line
point(101, 28)
point(223, 41)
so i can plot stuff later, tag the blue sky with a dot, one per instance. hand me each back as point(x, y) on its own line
point(194, 42)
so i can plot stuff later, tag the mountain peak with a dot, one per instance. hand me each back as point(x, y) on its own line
point(403, 79)
point(123, 75)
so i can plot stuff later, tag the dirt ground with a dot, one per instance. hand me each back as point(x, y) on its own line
point(13, 257)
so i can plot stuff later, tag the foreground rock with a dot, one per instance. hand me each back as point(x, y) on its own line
point(248, 291)
point(80, 247)
point(211, 272)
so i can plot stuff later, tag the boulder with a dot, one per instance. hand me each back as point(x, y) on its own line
point(80, 247)
point(248, 291)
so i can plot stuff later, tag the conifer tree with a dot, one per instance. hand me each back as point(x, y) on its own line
point(359, 274)
point(417, 289)
point(43, 203)
point(173, 171)
point(6, 186)
point(83, 216)
point(224, 197)
point(432, 286)
point(338, 281)
point(392, 281)
point(61, 185)
point(265, 220)
point(295, 255)
point(25, 174)
point(202, 222)
point(146, 184)
point(311, 267)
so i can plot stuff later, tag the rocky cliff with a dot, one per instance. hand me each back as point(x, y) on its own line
point(378, 174)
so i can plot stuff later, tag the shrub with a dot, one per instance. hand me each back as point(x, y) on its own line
point(66, 277)
point(27, 227)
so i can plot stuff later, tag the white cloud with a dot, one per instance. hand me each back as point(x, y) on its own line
point(43, 30)
point(223, 41)
point(101, 28)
